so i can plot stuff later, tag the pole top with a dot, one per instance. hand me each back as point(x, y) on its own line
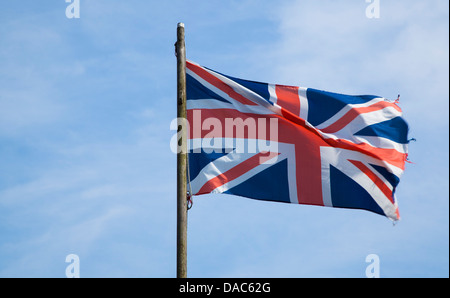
point(181, 25)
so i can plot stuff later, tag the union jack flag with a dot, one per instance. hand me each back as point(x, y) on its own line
point(293, 144)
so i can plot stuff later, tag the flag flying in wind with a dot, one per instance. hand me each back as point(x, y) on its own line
point(293, 144)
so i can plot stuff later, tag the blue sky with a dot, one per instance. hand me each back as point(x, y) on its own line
point(85, 161)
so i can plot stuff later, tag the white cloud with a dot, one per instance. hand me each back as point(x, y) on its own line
point(335, 47)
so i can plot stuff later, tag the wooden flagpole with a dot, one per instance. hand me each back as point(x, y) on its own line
point(181, 156)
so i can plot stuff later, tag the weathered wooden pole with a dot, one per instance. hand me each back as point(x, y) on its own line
point(181, 156)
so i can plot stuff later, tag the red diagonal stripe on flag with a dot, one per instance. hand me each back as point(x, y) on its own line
point(355, 112)
point(218, 83)
point(237, 171)
point(378, 182)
